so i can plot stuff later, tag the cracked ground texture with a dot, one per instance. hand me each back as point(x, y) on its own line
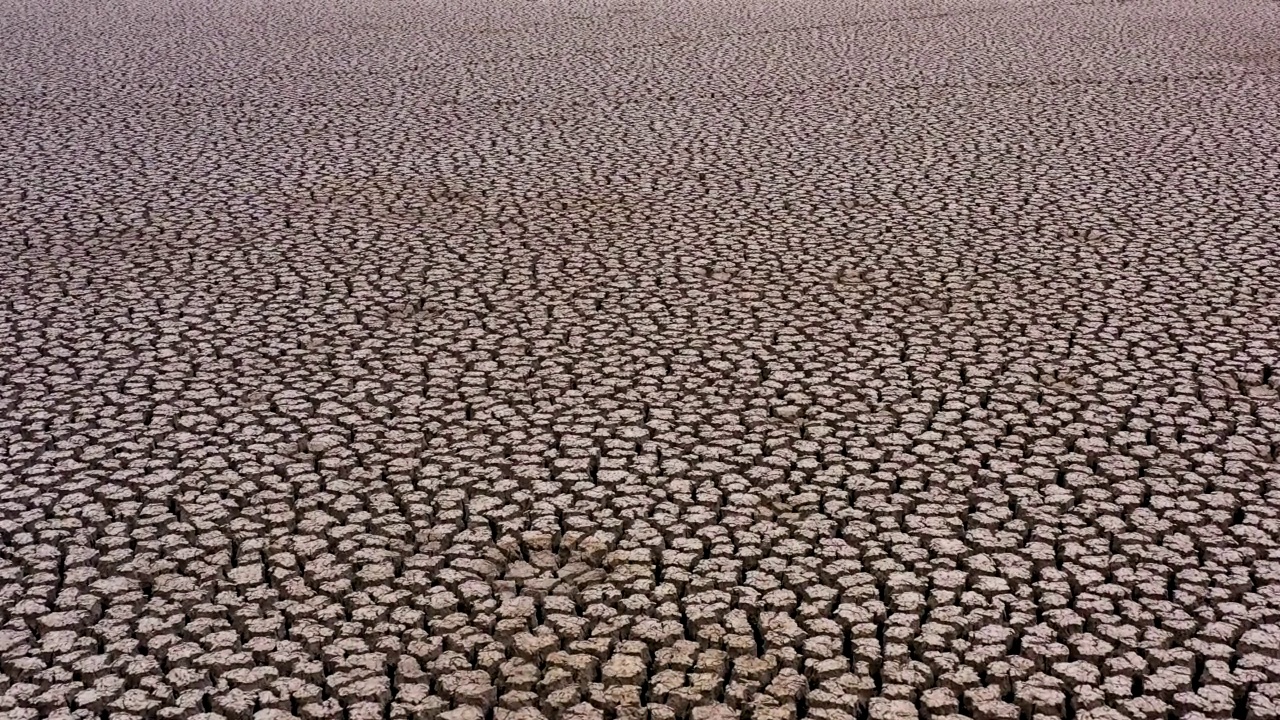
point(687, 359)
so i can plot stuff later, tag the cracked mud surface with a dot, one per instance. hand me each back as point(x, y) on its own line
point(407, 359)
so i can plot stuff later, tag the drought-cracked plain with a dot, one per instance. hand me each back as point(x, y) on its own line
point(691, 359)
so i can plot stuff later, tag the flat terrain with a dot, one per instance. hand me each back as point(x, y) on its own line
point(639, 360)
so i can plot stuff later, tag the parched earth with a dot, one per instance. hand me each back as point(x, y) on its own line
point(639, 360)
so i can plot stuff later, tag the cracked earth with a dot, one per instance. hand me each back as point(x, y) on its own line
point(592, 360)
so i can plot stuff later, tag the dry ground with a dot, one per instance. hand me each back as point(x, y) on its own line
point(689, 359)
